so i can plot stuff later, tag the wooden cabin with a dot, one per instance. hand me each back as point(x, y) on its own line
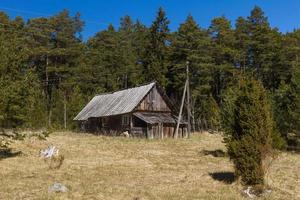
point(143, 111)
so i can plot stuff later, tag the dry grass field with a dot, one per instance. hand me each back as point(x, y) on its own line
point(97, 167)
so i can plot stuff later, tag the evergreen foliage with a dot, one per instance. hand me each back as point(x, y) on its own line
point(157, 49)
point(191, 43)
point(248, 127)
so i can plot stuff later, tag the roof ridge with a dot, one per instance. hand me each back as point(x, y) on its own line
point(112, 92)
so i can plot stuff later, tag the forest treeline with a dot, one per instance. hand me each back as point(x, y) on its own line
point(47, 68)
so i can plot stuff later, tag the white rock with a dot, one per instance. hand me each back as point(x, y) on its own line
point(248, 192)
point(49, 152)
point(58, 187)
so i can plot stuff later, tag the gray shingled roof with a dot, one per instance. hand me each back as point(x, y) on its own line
point(154, 118)
point(115, 103)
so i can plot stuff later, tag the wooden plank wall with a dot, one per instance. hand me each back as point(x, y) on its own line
point(153, 102)
point(163, 131)
point(114, 126)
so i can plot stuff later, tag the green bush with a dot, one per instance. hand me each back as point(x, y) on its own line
point(248, 126)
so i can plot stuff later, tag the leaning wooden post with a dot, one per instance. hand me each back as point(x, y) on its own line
point(180, 111)
point(188, 100)
point(65, 110)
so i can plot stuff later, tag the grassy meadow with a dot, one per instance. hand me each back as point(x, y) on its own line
point(99, 167)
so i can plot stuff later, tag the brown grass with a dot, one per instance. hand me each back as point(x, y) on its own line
point(107, 168)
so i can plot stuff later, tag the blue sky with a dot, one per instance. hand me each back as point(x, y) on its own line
point(284, 14)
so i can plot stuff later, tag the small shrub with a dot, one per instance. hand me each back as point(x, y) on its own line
point(46, 133)
point(18, 135)
point(41, 135)
point(4, 143)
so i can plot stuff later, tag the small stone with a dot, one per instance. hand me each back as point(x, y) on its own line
point(248, 192)
point(58, 187)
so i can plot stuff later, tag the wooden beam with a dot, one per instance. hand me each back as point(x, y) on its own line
point(162, 131)
point(188, 100)
point(131, 123)
point(180, 111)
point(65, 110)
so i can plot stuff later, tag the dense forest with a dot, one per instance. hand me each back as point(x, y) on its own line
point(46, 68)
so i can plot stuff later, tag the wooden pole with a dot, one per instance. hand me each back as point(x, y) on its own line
point(188, 100)
point(162, 131)
point(65, 110)
point(180, 111)
point(131, 125)
point(193, 115)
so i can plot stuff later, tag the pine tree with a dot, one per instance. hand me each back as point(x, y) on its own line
point(131, 70)
point(19, 91)
point(106, 60)
point(286, 99)
point(39, 41)
point(223, 54)
point(264, 49)
point(56, 56)
point(241, 44)
point(65, 56)
point(191, 43)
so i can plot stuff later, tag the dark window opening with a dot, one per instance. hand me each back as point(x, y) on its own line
point(138, 122)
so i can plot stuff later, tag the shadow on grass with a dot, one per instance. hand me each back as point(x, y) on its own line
point(293, 145)
point(225, 177)
point(214, 153)
point(293, 149)
point(7, 153)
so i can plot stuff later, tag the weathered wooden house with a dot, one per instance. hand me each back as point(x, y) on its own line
point(143, 111)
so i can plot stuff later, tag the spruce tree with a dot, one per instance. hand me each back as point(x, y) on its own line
point(155, 59)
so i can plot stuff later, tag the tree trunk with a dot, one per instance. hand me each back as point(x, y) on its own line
point(47, 92)
point(49, 117)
